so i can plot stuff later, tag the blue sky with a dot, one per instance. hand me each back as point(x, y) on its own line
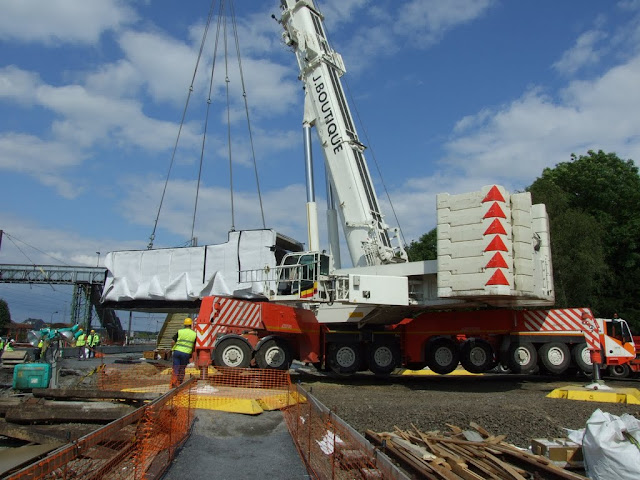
point(452, 95)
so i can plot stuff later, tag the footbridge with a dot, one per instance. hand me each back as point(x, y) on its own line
point(87, 282)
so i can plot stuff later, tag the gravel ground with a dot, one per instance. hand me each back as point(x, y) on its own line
point(512, 405)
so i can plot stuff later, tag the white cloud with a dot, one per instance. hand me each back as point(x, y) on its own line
point(45, 161)
point(417, 23)
point(511, 144)
point(426, 21)
point(583, 53)
point(164, 64)
point(118, 79)
point(61, 21)
point(17, 84)
point(284, 209)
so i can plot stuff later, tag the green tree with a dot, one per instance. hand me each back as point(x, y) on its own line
point(5, 316)
point(593, 203)
point(424, 248)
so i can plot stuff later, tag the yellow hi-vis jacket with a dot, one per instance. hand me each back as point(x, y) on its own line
point(93, 340)
point(186, 340)
point(80, 341)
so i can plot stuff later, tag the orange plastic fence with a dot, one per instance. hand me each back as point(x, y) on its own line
point(250, 390)
point(136, 446)
point(330, 448)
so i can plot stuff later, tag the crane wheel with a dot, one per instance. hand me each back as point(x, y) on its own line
point(522, 357)
point(232, 352)
point(443, 355)
point(274, 354)
point(582, 357)
point(619, 371)
point(344, 358)
point(555, 357)
point(384, 357)
point(476, 356)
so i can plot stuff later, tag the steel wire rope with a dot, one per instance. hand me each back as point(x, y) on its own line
point(375, 161)
point(206, 121)
point(226, 79)
point(32, 262)
point(246, 108)
point(184, 113)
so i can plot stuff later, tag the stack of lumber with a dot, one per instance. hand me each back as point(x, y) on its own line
point(11, 359)
point(464, 454)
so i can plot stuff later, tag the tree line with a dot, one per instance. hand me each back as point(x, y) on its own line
point(593, 203)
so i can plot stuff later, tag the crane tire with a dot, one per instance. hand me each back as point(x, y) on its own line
point(619, 371)
point(443, 355)
point(344, 358)
point(522, 357)
point(476, 356)
point(274, 354)
point(555, 357)
point(383, 357)
point(233, 352)
point(582, 357)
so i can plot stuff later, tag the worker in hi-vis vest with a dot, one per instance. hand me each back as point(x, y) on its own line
point(81, 341)
point(93, 340)
point(183, 342)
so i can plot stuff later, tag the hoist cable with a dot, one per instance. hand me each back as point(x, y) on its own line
point(184, 113)
point(226, 79)
point(12, 238)
point(206, 124)
point(375, 161)
point(246, 108)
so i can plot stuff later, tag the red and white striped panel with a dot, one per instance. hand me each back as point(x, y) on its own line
point(562, 320)
point(204, 333)
point(236, 313)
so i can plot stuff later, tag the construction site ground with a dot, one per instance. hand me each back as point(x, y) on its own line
point(240, 446)
point(504, 404)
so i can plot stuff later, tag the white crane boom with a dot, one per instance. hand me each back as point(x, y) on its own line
point(369, 239)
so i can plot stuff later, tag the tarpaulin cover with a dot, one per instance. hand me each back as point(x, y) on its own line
point(191, 273)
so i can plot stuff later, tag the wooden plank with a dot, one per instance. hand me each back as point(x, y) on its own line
point(487, 470)
point(67, 412)
point(509, 469)
point(407, 461)
point(539, 463)
point(79, 393)
point(16, 457)
point(26, 434)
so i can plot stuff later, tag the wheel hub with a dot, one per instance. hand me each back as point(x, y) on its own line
point(383, 356)
point(345, 357)
point(443, 356)
point(273, 356)
point(555, 356)
point(477, 356)
point(522, 356)
point(233, 356)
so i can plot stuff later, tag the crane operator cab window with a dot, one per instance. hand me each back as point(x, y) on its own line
point(619, 330)
point(299, 272)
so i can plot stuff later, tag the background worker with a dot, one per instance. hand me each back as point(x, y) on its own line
point(37, 351)
point(182, 347)
point(93, 340)
point(81, 342)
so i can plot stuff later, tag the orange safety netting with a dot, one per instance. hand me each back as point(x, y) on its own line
point(330, 448)
point(129, 448)
point(241, 390)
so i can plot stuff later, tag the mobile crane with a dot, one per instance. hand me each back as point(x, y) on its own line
point(266, 301)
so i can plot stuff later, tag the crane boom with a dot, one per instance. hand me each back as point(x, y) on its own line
point(369, 239)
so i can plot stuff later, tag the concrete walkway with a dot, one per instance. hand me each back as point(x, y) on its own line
point(232, 446)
